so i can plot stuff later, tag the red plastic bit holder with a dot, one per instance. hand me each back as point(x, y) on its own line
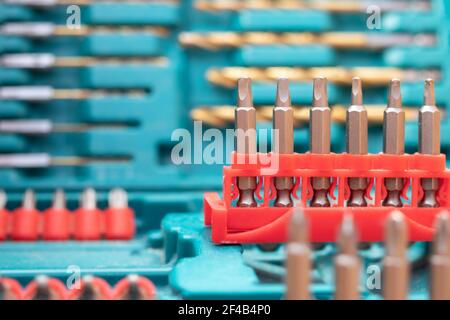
point(268, 224)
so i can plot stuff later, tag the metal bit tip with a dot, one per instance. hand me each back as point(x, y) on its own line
point(320, 95)
point(395, 95)
point(429, 98)
point(88, 199)
point(118, 198)
point(59, 199)
point(357, 96)
point(245, 98)
point(283, 98)
point(396, 235)
point(3, 199)
point(29, 199)
point(298, 227)
point(442, 235)
point(347, 239)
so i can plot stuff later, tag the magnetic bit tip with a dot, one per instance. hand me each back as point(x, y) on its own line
point(29, 199)
point(245, 98)
point(429, 98)
point(320, 95)
point(3, 199)
point(283, 98)
point(395, 95)
point(347, 236)
point(88, 199)
point(118, 198)
point(442, 235)
point(298, 228)
point(357, 96)
point(59, 199)
point(396, 234)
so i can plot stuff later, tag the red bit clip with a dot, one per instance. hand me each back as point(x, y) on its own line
point(45, 288)
point(57, 219)
point(119, 218)
point(25, 220)
point(88, 218)
point(4, 217)
point(134, 287)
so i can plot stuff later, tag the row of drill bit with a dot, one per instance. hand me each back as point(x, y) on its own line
point(347, 264)
point(356, 140)
point(132, 287)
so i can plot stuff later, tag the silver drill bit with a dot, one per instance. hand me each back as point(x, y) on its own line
point(28, 60)
point(33, 3)
point(27, 93)
point(346, 263)
point(34, 127)
point(440, 259)
point(3, 199)
point(43, 291)
point(298, 258)
point(246, 139)
point(28, 29)
point(118, 198)
point(395, 263)
point(429, 141)
point(320, 138)
point(29, 200)
point(283, 143)
point(59, 199)
point(394, 140)
point(88, 199)
point(357, 142)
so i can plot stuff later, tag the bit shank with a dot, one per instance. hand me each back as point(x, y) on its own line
point(357, 142)
point(395, 263)
point(283, 142)
point(394, 140)
point(429, 141)
point(320, 118)
point(245, 116)
point(440, 259)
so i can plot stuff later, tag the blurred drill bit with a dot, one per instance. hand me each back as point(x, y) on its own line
point(283, 142)
point(3, 199)
point(59, 199)
point(298, 258)
point(88, 291)
point(429, 141)
point(394, 140)
point(357, 142)
point(29, 200)
point(346, 262)
point(320, 138)
point(440, 259)
point(246, 139)
point(43, 291)
point(88, 199)
point(395, 263)
point(134, 292)
point(118, 198)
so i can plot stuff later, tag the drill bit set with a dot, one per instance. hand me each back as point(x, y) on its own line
point(396, 269)
point(259, 188)
point(132, 287)
point(57, 223)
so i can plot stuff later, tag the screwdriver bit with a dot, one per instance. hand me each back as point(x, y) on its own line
point(395, 263)
point(283, 124)
point(394, 140)
point(320, 138)
point(298, 258)
point(29, 199)
point(429, 141)
point(357, 142)
point(440, 259)
point(245, 116)
point(3, 199)
point(88, 199)
point(59, 199)
point(118, 198)
point(346, 262)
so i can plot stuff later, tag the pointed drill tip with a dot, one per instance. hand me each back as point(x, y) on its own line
point(347, 235)
point(396, 234)
point(245, 98)
point(3, 199)
point(395, 95)
point(283, 98)
point(356, 91)
point(298, 227)
point(29, 199)
point(429, 98)
point(59, 199)
point(442, 234)
point(118, 198)
point(320, 95)
point(89, 199)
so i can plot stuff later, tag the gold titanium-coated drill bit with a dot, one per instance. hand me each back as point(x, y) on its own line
point(395, 263)
point(346, 263)
point(245, 116)
point(283, 139)
point(429, 141)
point(298, 258)
point(357, 142)
point(319, 136)
point(440, 259)
point(394, 140)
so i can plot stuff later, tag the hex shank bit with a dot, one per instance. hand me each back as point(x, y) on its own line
point(320, 138)
point(394, 140)
point(283, 142)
